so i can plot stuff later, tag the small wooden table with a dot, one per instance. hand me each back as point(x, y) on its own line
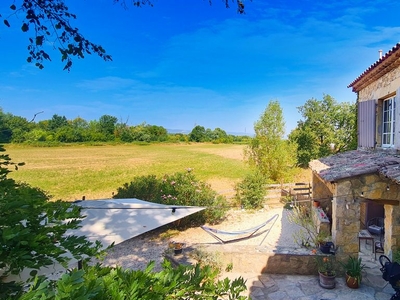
point(365, 235)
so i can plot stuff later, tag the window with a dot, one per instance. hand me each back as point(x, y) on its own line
point(388, 119)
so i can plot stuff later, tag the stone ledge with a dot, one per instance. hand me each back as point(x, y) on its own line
point(255, 259)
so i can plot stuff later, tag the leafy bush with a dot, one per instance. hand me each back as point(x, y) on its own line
point(307, 235)
point(184, 282)
point(142, 187)
point(250, 192)
point(181, 188)
point(32, 229)
point(396, 255)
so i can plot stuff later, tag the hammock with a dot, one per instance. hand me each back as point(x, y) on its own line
point(248, 232)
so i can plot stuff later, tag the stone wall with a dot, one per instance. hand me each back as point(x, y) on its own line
point(346, 211)
point(246, 258)
point(384, 86)
point(322, 192)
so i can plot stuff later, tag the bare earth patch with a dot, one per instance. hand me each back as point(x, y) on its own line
point(233, 152)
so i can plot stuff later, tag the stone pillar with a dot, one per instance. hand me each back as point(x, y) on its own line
point(392, 229)
point(345, 220)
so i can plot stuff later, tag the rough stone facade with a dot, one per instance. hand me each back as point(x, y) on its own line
point(347, 195)
point(381, 88)
point(323, 193)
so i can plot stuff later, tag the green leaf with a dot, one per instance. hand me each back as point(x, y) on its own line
point(6, 22)
point(39, 40)
point(25, 27)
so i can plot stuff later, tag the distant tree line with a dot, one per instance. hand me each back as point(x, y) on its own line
point(16, 129)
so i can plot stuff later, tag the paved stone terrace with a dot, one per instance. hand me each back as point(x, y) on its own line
point(306, 287)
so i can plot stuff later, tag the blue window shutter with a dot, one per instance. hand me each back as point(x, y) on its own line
point(366, 124)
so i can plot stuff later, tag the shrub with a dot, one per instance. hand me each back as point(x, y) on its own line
point(396, 255)
point(307, 235)
point(250, 192)
point(32, 230)
point(184, 282)
point(181, 188)
point(142, 187)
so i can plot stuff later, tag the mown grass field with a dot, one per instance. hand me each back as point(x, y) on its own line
point(70, 172)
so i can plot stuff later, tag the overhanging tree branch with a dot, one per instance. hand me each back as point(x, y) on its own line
point(51, 18)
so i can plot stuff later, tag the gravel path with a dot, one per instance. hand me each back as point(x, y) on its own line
point(137, 252)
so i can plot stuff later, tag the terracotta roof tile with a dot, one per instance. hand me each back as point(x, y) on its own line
point(383, 65)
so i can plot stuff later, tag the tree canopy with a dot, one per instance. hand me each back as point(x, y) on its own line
point(50, 22)
point(268, 151)
point(327, 127)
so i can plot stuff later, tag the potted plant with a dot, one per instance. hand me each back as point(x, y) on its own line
point(353, 268)
point(177, 247)
point(323, 241)
point(326, 270)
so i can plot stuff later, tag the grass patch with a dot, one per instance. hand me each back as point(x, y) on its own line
point(96, 172)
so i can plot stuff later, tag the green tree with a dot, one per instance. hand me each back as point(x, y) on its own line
point(327, 127)
point(13, 128)
point(5, 130)
point(45, 19)
point(198, 134)
point(107, 125)
point(272, 155)
point(220, 134)
point(19, 127)
point(158, 133)
point(57, 122)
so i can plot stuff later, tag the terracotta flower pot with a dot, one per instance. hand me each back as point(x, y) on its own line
point(352, 282)
point(327, 282)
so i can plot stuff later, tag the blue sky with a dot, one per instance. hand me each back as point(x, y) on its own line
point(184, 63)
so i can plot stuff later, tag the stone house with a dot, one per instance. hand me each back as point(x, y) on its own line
point(356, 186)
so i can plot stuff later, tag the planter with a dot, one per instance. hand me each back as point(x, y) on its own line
point(177, 247)
point(327, 248)
point(177, 251)
point(327, 282)
point(352, 282)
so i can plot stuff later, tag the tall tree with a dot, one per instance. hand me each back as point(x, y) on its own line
point(327, 127)
point(45, 19)
point(268, 151)
point(198, 134)
point(107, 124)
point(57, 122)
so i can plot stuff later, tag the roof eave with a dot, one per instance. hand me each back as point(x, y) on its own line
point(384, 65)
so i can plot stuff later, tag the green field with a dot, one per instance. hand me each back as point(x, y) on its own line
point(95, 172)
